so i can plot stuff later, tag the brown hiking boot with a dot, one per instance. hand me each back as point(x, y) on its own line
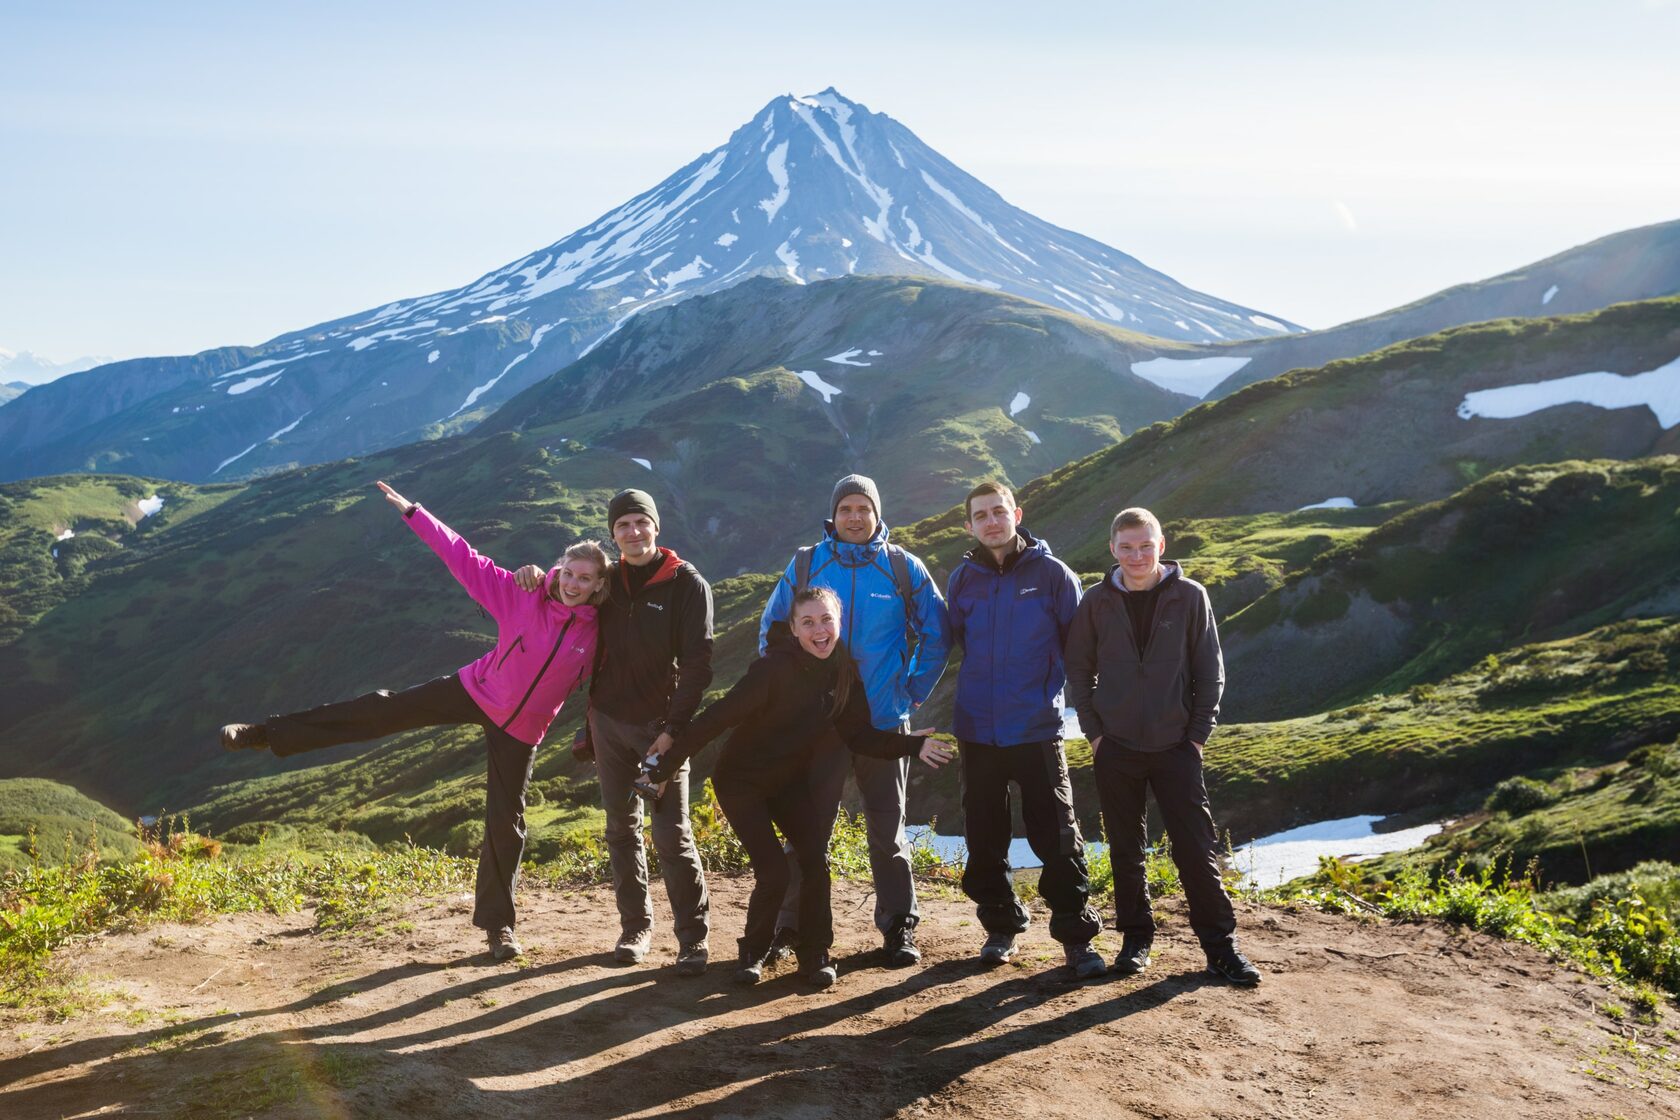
point(244, 737)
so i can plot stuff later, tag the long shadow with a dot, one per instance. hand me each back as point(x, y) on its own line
point(760, 1066)
point(97, 1049)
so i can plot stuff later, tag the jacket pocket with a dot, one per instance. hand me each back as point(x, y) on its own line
point(517, 643)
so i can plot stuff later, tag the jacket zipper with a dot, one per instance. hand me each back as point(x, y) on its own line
point(518, 643)
point(538, 678)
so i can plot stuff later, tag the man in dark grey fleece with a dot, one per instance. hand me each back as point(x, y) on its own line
point(1145, 674)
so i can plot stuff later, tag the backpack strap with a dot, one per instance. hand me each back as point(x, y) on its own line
point(802, 568)
point(899, 561)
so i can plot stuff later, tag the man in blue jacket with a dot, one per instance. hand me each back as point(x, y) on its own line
point(896, 628)
point(1011, 604)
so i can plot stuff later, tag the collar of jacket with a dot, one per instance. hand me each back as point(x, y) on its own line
point(1113, 581)
point(1025, 543)
point(855, 555)
point(669, 562)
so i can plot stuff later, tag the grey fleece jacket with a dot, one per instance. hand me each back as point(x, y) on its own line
point(1155, 698)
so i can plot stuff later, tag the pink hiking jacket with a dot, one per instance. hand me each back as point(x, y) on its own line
point(543, 647)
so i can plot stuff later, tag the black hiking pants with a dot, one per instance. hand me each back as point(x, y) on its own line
point(1124, 776)
point(439, 703)
point(1040, 770)
point(756, 805)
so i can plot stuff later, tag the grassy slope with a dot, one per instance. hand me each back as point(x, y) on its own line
point(38, 571)
point(1525, 554)
point(1380, 428)
point(64, 823)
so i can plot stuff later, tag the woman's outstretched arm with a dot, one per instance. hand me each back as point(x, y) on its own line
point(490, 586)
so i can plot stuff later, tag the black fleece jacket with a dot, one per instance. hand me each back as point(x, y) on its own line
point(780, 711)
point(656, 645)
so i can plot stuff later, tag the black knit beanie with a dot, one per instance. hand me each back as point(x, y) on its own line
point(631, 501)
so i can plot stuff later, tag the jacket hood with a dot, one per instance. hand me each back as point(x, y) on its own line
point(669, 565)
point(1171, 572)
point(853, 555)
point(982, 555)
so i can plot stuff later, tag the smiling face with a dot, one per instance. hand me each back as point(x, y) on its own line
point(816, 623)
point(992, 519)
point(854, 519)
point(576, 579)
point(1138, 551)
point(636, 536)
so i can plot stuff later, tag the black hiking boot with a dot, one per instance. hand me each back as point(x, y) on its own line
point(751, 969)
point(817, 970)
point(899, 942)
point(1133, 957)
point(1233, 966)
point(1086, 962)
point(782, 946)
point(998, 949)
point(244, 737)
point(692, 959)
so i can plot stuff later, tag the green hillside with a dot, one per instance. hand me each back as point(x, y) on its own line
point(1377, 429)
point(1525, 554)
point(61, 824)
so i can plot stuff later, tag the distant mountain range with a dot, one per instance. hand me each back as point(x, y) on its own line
point(811, 188)
point(23, 369)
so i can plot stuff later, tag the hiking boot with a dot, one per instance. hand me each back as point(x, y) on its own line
point(817, 970)
point(1233, 966)
point(1086, 962)
point(244, 737)
point(998, 949)
point(632, 948)
point(783, 945)
point(502, 945)
point(899, 942)
point(751, 969)
point(1133, 957)
point(691, 959)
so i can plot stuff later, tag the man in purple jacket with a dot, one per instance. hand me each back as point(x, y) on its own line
point(1011, 603)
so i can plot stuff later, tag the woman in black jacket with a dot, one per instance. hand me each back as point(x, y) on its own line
point(805, 686)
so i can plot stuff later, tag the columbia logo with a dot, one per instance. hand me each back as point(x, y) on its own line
point(1028, 590)
point(879, 595)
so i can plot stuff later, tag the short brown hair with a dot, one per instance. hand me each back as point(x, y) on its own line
point(982, 491)
point(1136, 517)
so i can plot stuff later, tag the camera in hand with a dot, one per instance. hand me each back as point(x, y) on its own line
point(644, 782)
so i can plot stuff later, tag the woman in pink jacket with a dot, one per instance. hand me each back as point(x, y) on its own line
point(545, 645)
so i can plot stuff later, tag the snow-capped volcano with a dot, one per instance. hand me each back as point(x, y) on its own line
point(812, 188)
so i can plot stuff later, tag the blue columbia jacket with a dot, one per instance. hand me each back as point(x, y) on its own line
point(874, 626)
point(1011, 625)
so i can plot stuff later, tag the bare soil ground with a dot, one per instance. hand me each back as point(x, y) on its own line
point(254, 1015)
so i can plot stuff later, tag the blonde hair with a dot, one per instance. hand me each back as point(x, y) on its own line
point(1136, 517)
point(591, 550)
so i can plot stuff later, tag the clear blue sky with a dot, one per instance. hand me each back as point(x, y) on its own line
point(180, 176)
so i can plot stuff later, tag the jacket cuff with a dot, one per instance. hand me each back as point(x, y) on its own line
point(1199, 732)
point(413, 508)
point(1091, 726)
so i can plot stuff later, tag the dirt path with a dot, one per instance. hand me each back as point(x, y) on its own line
point(253, 1015)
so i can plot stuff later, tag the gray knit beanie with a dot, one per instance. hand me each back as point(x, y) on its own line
point(856, 484)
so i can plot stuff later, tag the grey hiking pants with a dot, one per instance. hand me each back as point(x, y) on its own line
point(619, 750)
point(882, 782)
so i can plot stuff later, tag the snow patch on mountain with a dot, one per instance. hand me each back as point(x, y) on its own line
point(250, 383)
point(848, 358)
point(643, 463)
point(478, 392)
point(1657, 389)
point(811, 378)
point(432, 357)
point(726, 239)
point(777, 166)
point(789, 258)
point(149, 506)
point(1550, 292)
point(1331, 503)
point(235, 458)
point(267, 363)
point(1195, 376)
point(1020, 402)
